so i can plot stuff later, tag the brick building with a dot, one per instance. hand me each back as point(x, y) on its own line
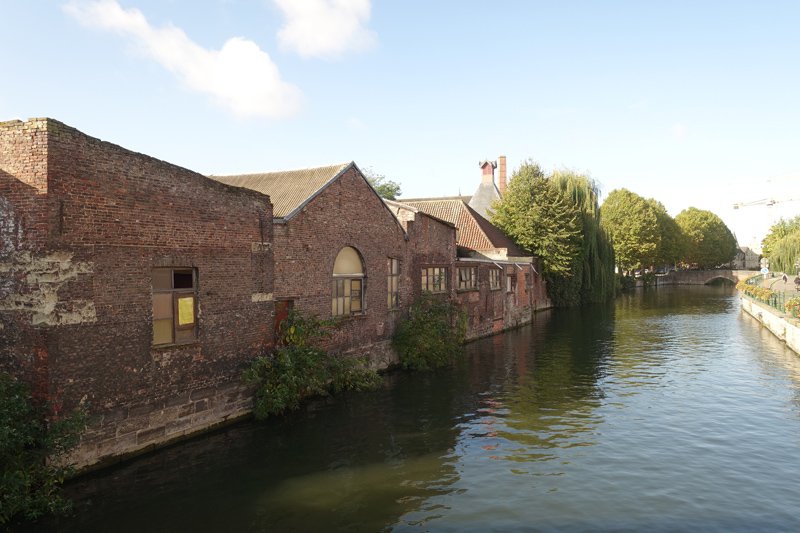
point(136, 285)
point(143, 288)
point(499, 285)
point(339, 251)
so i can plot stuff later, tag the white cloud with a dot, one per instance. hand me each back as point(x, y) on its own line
point(325, 28)
point(240, 76)
point(679, 131)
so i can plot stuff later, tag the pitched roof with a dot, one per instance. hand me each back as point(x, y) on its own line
point(288, 189)
point(475, 232)
point(482, 200)
point(395, 207)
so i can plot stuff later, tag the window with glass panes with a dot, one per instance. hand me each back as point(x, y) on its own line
point(434, 279)
point(174, 305)
point(494, 278)
point(393, 284)
point(348, 283)
point(467, 278)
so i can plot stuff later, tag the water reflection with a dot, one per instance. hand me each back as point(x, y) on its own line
point(664, 411)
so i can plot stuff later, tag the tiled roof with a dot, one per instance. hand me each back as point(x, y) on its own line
point(395, 207)
point(287, 189)
point(475, 232)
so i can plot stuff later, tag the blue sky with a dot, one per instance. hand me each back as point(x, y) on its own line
point(691, 103)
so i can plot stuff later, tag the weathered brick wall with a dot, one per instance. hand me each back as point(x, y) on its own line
point(23, 230)
point(112, 216)
point(485, 306)
point(431, 243)
point(346, 213)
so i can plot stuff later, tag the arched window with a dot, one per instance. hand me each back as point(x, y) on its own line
point(348, 283)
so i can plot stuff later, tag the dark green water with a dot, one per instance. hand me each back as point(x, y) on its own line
point(668, 410)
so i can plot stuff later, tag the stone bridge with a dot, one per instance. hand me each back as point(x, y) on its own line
point(703, 277)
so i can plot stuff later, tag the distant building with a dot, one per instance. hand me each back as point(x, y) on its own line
point(746, 259)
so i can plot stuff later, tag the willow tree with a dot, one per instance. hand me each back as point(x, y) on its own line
point(782, 245)
point(777, 231)
point(592, 275)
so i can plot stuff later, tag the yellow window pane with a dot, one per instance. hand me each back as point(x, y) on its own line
point(162, 331)
point(185, 310)
point(162, 306)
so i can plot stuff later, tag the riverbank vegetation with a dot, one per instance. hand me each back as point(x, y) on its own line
point(645, 235)
point(782, 245)
point(33, 453)
point(433, 333)
point(300, 368)
point(557, 217)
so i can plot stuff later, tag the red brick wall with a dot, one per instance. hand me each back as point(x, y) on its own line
point(112, 215)
point(346, 213)
point(431, 243)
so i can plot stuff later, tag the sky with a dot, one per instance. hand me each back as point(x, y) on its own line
point(694, 104)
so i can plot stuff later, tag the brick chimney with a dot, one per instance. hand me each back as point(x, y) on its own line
point(501, 174)
point(487, 171)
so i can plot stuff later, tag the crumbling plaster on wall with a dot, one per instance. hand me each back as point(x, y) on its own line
point(44, 275)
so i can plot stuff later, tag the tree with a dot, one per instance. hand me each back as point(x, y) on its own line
point(591, 277)
point(782, 244)
point(710, 242)
point(385, 188)
point(540, 219)
point(778, 231)
point(633, 226)
point(673, 241)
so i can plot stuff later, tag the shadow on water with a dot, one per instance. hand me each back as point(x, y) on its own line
point(586, 419)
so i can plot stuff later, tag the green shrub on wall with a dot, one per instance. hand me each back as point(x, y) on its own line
point(299, 369)
point(432, 335)
point(33, 453)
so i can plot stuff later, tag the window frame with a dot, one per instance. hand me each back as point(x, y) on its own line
point(347, 289)
point(180, 333)
point(434, 279)
point(468, 278)
point(393, 283)
point(495, 279)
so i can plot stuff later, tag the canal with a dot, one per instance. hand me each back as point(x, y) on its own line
point(666, 410)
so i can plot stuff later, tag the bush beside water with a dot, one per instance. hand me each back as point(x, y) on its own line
point(299, 369)
point(33, 453)
point(432, 335)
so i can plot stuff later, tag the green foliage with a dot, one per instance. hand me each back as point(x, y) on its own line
point(782, 244)
point(299, 369)
point(33, 453)
point(591, 277)
point(384, 187)
point(432, 335)
point(633, 226)
point(780, 229)
point(710, 242)
point(673, 241)
point(625, 283)
point(540, 218)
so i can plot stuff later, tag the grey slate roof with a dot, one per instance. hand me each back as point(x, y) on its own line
point(483, 198)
